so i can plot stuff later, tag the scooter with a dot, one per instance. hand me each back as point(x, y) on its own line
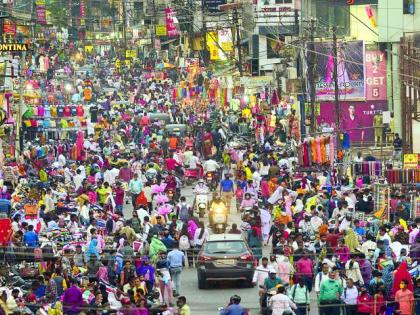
point(218, 218)
point(201, 203)
point(211, 180)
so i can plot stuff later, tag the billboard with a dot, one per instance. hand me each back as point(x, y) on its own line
point(375, 75)
point(356, 118)
point(350, 70)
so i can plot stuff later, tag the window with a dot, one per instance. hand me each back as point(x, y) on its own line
point(284, 1)
point(408, 7)
point(226, 247)
point(333, 15)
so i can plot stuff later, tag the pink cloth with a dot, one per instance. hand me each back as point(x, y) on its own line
point(343, 254)
point(125, 174)
point(332, 150)
point(247, 203)
point(304, 267)
point(265, 191)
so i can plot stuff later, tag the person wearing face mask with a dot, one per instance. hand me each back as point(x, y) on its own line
point(329, 297)
point(305, 226)
point(301, 297)
point(405, 299)
point(247, 202)
point(364, 302)
point(272, 281)
point(349, 297)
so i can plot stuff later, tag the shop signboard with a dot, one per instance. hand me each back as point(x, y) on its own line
point(356, 119)
point(161, 30)
point(9, 27)
point(259, 81)
point(411, 160)
point(213, 5)
point(13, 47)
point(375, 75)
point(351, 73)
point(130, 53)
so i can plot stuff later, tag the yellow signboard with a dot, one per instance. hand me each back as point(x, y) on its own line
point(13, 47)
point(88, 49)
point(130, 54)
point(118, 63)
point(161, 30)
point(411, 160)
point(127, 62)
point(227, 46)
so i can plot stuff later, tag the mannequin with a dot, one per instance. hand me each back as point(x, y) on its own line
point(378, 127)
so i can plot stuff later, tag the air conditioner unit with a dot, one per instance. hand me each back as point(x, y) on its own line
point(291, 73)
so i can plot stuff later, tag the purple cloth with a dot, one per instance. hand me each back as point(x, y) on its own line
point(72, 300)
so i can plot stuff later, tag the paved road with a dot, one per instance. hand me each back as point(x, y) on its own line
point(206, 302)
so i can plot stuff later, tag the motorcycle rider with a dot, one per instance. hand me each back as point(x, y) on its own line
point(217, 203)
point(234, 307)
point(201, 188)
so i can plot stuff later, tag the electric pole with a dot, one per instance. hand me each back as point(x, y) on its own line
point(311, 72)
point(238, 40)
point(336, 89)
point(124, 26)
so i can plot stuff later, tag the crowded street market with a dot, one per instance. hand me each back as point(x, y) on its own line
point(140, 184)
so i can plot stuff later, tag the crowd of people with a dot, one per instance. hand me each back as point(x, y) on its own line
point(100, 222)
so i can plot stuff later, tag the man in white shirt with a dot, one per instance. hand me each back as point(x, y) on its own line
point(142, 213)
point(78, 179)
point(316, 221)
point(349, 297)
point(210, 166)
point(261, 272)
point(111, 175)
point(321, 277)
point(194, 161)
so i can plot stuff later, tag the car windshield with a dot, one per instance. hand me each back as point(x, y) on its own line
point(226, 247)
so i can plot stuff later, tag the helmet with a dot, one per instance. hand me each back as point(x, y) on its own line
point(235, 299)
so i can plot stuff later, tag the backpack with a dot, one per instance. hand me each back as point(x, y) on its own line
point(294, 292)
point(184, 213)
point(184, 242)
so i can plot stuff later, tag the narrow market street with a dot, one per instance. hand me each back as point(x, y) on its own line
point(209, 157)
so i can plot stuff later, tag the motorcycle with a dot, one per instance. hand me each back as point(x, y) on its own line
point(265, 301)
point(211, 180)
point(201, 204)
point(191, 175)
point(218, 218)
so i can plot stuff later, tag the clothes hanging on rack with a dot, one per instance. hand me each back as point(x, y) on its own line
point(403, 176)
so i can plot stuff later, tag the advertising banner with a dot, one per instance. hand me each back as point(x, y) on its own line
point(161, 30)
point(356, 118)
point(171, 23)
point(412, 160)
point(375, 75)
point(350, 70)
point(9, 27)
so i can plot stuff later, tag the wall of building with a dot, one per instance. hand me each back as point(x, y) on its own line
point(392, 22)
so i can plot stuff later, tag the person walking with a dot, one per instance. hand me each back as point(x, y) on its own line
point(281, 303)
point(176, 262)
point(227, 191)
point(405, 299)
point(329, 297)
point(349, 297)
point(135, 187)
point(300, 295)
